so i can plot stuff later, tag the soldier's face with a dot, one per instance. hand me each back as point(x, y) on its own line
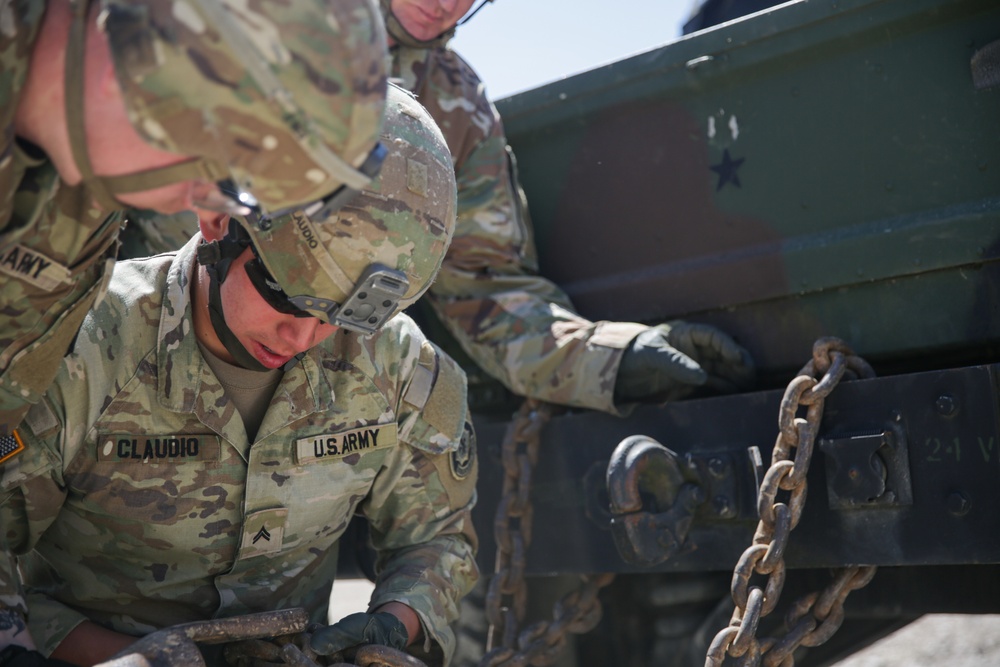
point(273, 338)
point(426, 19)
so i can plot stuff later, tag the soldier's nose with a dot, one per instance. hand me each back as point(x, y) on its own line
point(300, 332)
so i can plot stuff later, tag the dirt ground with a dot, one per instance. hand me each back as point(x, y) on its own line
point(937, 640)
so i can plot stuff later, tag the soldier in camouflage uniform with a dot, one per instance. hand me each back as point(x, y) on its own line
point(162, 482)
point(516, 325)
point(161, 105)
point(519, 327)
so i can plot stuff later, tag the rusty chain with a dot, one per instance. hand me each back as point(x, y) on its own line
point(293, 650)
point(506, 599)
point(814, 618)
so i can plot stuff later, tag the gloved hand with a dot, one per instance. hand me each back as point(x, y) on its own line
point(18, 656)
point(360, 629)
point(672, 360)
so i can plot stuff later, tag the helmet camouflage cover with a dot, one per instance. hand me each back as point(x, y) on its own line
point(390, 239)
point(284, 98)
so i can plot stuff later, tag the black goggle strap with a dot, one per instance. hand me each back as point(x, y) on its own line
point(269, 288)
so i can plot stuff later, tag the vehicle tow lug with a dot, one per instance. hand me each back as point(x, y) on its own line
point(653, 496)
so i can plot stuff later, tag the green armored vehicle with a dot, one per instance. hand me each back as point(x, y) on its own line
point(820, 169)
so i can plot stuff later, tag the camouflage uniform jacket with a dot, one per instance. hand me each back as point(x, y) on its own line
point(518, 326)
point(146, 506)
point(55, 246)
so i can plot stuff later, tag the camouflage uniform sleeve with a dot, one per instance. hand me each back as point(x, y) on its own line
point(147, 233)
point(420, 505)
point(518, 326)
point(33, 485)
point(32, 491)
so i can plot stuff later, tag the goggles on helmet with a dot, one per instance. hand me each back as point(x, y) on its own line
point(268, 287)
point(373, 301)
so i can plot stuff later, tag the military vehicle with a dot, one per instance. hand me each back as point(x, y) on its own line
point(815, 169)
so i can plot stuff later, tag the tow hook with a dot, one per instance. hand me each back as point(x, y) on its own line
point(643, 471)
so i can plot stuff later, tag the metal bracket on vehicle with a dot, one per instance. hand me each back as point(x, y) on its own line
point(867, 468)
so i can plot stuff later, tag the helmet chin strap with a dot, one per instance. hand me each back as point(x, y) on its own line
point(217, 257)
point(104, 188)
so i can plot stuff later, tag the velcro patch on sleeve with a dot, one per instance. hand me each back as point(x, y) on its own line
point(10, 445)
point(335, 446)
point(445, 408)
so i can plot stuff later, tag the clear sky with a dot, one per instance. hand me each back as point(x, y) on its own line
point(516, 45)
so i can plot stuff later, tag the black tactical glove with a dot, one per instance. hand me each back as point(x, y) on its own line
point(672, 360)
point(360, 629)
point(18, 656)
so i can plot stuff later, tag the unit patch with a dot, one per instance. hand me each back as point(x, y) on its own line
point(188, 447)
point(333, 446)
point(10, 446)
point(463, 459)
point(26, 264)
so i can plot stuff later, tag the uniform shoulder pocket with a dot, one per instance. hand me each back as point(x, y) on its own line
point(435, 405)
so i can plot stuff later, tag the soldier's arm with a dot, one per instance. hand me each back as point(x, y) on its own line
point(420, 503)
point(414, 631)
point(518, 326)
point(13, 608)
point(90, 644)
point(32, 492)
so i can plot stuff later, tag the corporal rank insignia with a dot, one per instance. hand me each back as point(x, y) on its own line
point(10, 446)
point(464, 458)
point(263, 532)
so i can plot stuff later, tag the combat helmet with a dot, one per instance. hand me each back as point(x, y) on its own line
point(403, 36)
point(372, 258)
point(280, 103)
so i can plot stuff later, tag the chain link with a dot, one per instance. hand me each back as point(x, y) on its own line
point(294, 650)
point(814, 618)
point(577, 612)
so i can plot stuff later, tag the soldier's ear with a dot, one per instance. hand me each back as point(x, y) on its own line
point(213, 225)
